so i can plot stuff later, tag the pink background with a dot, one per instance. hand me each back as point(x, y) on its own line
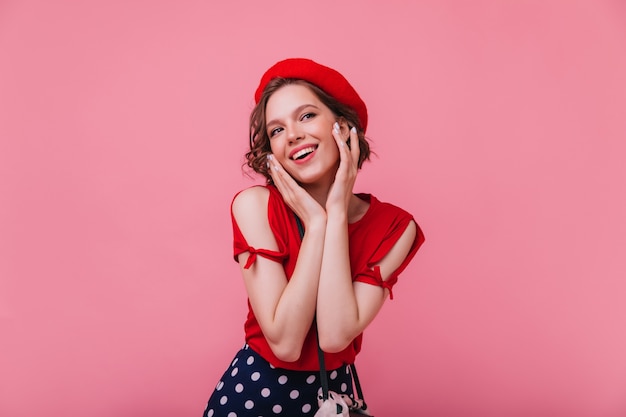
point(500, 125)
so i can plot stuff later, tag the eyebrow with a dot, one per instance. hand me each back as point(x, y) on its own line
point(296, 111)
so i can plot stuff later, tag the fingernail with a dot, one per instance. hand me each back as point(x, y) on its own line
point(269, 156)
point(336, 127)
point(353, 130)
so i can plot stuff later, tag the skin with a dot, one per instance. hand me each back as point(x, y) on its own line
point(320, 191)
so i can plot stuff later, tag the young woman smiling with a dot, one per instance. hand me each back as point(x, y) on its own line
point(307, 137)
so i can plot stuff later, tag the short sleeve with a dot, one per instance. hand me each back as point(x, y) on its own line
point(240, 245)
point(388, 235)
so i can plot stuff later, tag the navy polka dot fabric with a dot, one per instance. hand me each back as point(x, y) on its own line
point(253, 387)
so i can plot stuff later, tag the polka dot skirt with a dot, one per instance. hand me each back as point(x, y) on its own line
point(253, 387)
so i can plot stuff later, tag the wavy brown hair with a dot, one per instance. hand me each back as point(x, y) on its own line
point(256, 158)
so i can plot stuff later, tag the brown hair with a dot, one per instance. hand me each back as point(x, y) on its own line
point(260, 142)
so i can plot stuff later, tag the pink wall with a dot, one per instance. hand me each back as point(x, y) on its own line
point(500, 125)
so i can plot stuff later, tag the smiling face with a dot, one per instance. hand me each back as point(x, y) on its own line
point(260, 145)
point(299, 128)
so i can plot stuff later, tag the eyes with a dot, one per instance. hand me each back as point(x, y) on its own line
point(305, 117)
point(275, 131)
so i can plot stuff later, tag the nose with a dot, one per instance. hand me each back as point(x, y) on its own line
point(294, 133)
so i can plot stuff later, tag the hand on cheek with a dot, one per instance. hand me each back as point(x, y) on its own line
point(296, 197)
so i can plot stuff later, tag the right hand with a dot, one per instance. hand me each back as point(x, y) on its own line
point(296, 197)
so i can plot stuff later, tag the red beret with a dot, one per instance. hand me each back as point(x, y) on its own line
point(329, 80)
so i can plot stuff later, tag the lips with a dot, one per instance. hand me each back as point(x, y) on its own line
point(302, 152)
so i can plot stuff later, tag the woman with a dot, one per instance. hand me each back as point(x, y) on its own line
point(307, 139)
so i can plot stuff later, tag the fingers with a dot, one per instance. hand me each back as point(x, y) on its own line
point(355, 148)
point(344, 151)
point(299, 200)
point(348, 155)
point(285, 183)
point(279, 175)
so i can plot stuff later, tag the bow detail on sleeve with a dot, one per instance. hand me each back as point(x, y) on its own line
point(372, 276)
point(266, 253)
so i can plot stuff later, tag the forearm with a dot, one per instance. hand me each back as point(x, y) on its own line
point(295, 310)
point(337, 308)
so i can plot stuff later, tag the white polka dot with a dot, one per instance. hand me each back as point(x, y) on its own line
point(294, 394)
point(255, 376)
point(239, 388)
point(223, 400)
point(232, 414)
point(234, 372)
point(220, 385)
point(265, 392)
point(344, 387)
point(333, 375)
point(250, 360)
point(282, 380)
point(306, 408)
point(277, 409)
point(210, 413)
point(249, 405)
point(272, 366)
point(310, 379)
point(234, 362)
point(347, 371)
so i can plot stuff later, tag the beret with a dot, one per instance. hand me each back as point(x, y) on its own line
point(329, 80)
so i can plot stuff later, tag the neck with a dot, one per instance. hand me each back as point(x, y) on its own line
point(319, 192)
point(356, 206)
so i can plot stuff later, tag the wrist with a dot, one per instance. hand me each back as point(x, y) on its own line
point(317, 223)
point(337, 216)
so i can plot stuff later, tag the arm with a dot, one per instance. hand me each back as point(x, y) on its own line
point(284, 309)
point(346, 308)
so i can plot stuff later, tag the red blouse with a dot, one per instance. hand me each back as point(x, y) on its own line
point(371, 238)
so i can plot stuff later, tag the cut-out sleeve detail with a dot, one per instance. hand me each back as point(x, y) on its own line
point(266, 253)
point(373, 276)
point(241, 245)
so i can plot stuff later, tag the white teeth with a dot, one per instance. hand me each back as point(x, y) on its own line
point(303, 152)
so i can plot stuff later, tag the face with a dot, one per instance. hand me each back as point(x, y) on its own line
point(299, 126)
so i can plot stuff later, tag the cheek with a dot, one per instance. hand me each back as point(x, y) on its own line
point(274, 146)
point(278, 150)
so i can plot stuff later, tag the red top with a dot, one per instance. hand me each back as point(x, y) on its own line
point(371, 238)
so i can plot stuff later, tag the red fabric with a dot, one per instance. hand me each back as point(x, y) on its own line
point(371, 238)
point(328, 79)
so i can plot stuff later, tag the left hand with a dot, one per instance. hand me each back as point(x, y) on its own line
point(341, 190)
point(296, 197)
